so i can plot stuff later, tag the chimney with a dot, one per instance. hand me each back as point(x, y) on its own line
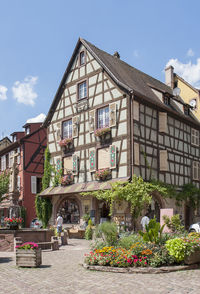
point(169, 76)
point(116, 55)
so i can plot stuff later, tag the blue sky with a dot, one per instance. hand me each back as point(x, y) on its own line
point(38, 38)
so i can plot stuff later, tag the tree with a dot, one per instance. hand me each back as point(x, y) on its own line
point(4, 184)
point(137, 193)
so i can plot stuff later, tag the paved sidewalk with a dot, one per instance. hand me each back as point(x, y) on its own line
point(61, 273)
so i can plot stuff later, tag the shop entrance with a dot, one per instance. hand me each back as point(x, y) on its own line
point(69, 210)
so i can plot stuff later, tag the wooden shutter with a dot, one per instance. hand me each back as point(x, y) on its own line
point(135, 110)
point(75, 164)
point(163, 122)
point(92, 159)
point(163, 160)
point(58, 164)
point(136, 154)
point(33, 184)
point(103, 158)
point(67, 164)
point(92, 120)
point(113, 156)
point(75, 126)
point(58, 132)
point(112, 114)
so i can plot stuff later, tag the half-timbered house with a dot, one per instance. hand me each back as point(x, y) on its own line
point(23, 158)
point(107, 115)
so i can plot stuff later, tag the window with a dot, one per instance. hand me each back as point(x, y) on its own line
point(27, 131)
point(166, 100)
point(14, 138)
point(3, 163)
point(186, 109)
point(103, 117)
point(196, 170)
point(18, 183)
point(82, 90)
point(195, 137)
point(82, 58)
point(36, 184)
point(67, 129)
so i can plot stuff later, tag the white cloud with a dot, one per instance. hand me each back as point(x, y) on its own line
point(24, 92)
point(3, 91)
point(39, 118)
point(135, 53)
point(190, 53)
point(188, 71)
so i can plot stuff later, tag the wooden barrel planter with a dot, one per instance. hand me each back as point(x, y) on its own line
point(28, 258)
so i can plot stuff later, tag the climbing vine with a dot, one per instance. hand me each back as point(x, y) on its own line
point(4, 184)
point(43, 205)
point(137, 193)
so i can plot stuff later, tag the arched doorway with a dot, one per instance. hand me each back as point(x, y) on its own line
point(154, 208)
point(69, 210)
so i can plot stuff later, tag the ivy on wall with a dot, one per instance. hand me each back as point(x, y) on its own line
point(43, 205)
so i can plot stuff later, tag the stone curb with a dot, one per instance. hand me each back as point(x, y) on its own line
point(141, 270)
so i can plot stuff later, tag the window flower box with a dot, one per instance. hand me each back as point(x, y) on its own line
point(67, 179)
point(66, 142)
point(103, 174)
point(102, 132)
point(13, 223)
point(28, 255)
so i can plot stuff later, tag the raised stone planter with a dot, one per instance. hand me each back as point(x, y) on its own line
point(140, 270)
point(193, 258)
point(28, 258)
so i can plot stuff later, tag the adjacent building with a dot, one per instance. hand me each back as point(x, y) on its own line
point(23, 158)
point(109, 121)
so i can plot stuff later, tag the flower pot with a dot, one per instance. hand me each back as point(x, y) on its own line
point(28, 258)
point(194, 257)
point(13, 226)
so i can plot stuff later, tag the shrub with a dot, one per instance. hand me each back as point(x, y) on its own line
point(89, 231)
point(153, 232)
point(127, 241)
point(176, 248)
point(161, 257)
point(108, 232)
point(174, 224)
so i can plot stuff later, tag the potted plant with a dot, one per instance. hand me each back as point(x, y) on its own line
point(66, 142)
point(13, 223)
point(103, 174)
point(67, 179)
point(102, 132)
point(28, 255)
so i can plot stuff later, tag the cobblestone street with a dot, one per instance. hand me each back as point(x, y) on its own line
point(61, 272)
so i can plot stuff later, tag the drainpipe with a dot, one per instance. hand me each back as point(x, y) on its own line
point(131, 133)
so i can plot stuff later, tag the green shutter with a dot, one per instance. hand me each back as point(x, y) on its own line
point(75, 164)
point(113, 156)
point(58, 164)
point(92, 159)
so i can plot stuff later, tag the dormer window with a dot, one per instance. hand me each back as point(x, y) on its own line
point(27, 131)
point(14, 138)
point(166, 100)
point(82, 58)
point(186, 109)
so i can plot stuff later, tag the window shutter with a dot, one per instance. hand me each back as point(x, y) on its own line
point(75, 164)
point(136, 154)
point(18, 159)
point(113, 156)
point(163, 160)
point(92, 160)
point(135, 110)
point(163, 122)
point(33, 184)
point(91, 121)
point(112, 114)
point(75, 126)
point(58, 164)
point(195, 170)
point(58, 132)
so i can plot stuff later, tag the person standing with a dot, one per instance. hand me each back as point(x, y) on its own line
point(59, 223)
point(144, 222)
